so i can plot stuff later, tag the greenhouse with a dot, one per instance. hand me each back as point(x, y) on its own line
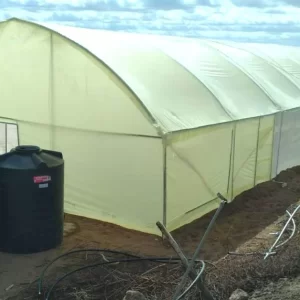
point(151, 127)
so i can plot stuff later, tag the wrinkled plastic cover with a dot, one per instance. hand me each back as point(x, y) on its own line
point(182, 83)
point(188, 83)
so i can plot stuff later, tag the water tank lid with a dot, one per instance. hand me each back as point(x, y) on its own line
point(27, 149)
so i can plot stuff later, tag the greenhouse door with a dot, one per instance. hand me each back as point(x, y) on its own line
point(9, 136)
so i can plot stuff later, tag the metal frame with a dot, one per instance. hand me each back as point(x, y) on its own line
point(193, 275)
point(272, 169)
point(18, 133)
point(5, 137)
point(50, 95)
point(9, 122)
point(233, 156)
point(164, 181)
point(256, 155)
point(281, 115)
point(199, 247)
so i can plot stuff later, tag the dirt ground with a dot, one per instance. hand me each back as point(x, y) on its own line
point(284, 289)
point(242, 220)
point(246, 268)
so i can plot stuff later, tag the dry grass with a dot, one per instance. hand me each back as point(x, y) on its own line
point(159, 281)
point(251, 272)
point(155, 280)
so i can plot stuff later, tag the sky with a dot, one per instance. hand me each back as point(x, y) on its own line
point(262, 21)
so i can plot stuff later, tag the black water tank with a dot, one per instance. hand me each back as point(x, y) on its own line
point(31, 200)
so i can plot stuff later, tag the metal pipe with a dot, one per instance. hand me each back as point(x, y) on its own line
point(6, 140)
point(279, 141)
point(233, 165)
point(193, 275)
point(256, 154)
point(18, 134)
point(196, 254)
point(194, 282)
point(164, 181)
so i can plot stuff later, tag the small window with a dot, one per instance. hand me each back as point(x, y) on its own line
point(8, 137)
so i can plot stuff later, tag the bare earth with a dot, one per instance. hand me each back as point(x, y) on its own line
point(284, 289)
point(241, 221)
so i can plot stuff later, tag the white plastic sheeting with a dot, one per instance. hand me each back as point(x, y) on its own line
point(286, 141)
point(151, 128)
point(202, 73)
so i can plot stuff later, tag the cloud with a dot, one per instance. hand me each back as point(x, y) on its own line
point(176, 4)
point(265, 3)
point(254, 3)
point(275, 21)
point(291, 2)
point(108, 5)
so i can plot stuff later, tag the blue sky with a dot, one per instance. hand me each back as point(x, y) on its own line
point(268, 21)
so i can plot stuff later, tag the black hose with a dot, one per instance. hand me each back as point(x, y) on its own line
point(41, 278)
point(159, 259)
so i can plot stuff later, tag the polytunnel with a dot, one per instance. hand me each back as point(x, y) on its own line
point(151, 127)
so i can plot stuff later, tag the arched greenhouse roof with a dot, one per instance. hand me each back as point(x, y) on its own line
point(185, 83)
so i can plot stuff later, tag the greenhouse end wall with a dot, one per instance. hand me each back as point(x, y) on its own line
point(112, 178)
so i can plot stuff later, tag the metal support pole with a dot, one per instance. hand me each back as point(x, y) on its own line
point(256, 154)
point(165, 182)
point(18, 134)
point(197, 252)
point(279, 141)
point(193, 275)
point(6, 139)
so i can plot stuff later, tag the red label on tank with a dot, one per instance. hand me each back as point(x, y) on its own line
point(40, 179)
